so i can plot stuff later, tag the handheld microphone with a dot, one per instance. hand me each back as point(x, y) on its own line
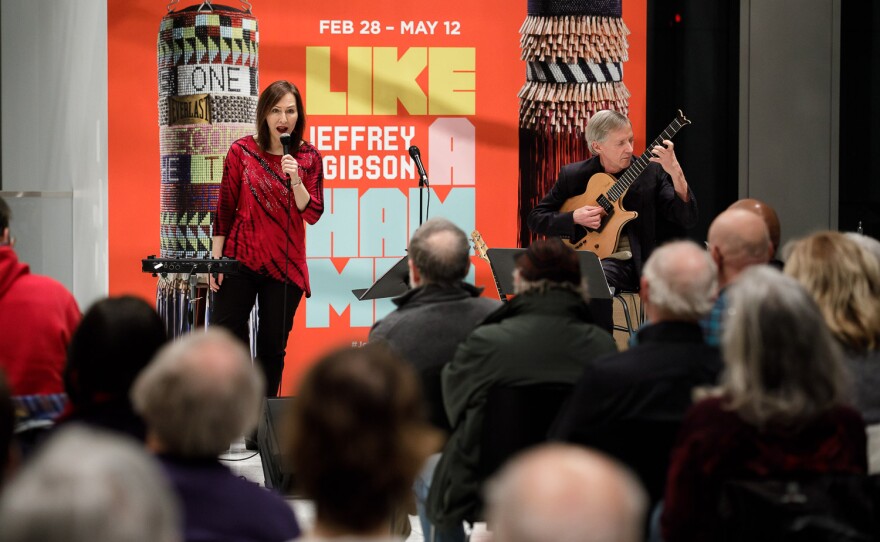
point(285, 144)
point(417, 158)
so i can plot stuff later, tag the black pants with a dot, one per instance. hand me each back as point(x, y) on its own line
point(233, 304)
point(621, 275)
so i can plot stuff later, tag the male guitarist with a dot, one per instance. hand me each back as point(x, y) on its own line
point(661, 191)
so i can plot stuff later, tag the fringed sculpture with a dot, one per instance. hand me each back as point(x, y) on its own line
point(574, 52)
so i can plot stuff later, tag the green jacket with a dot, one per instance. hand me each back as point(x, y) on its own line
point(539, 337)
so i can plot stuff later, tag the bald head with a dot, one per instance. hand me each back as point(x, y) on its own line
point(767, 213)
point(565, 494)
point(738, 239)
point(678, 282)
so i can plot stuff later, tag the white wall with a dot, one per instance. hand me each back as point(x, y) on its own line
point(54, 138)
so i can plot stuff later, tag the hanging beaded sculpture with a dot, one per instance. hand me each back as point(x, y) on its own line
point(574, 52)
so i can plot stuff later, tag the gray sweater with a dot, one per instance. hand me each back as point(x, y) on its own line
point(427, 327)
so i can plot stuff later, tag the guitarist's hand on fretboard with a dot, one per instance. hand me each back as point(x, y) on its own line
point(589, 216)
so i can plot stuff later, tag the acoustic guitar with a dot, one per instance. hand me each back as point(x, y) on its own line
point(483, 252)
point(603, 190)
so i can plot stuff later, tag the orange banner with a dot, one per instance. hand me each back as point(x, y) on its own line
point(376, 78)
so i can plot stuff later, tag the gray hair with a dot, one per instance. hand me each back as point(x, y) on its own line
point(565, 493)
point(603, 123)
point(440, 251)
point(783, 366)
point(682, 279)
point(87, 485)
point(199, 394)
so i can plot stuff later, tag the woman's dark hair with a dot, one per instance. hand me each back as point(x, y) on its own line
point(268, 98)
point(116, 338)
point(359, 435)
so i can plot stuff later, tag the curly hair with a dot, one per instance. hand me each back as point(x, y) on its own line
point(358, 436)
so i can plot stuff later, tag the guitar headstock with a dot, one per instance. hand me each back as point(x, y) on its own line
point(682, 119)
point(479, 245)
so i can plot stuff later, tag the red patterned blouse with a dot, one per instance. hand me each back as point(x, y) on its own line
point(258, 215)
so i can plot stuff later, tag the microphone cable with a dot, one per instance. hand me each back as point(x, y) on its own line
point(284, 335)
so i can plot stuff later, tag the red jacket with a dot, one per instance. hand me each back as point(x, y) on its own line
point(37, 319)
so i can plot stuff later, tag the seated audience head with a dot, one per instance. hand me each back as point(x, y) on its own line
point(198, 395)
point(767, 213)
point(115, 340)
point(844, 279)
point(358, 437)
point(782, 365)
point(566, 494)
point(738, 239)
point(86, 485)
point(547, 263)
point(678, 282)
point(439, 253)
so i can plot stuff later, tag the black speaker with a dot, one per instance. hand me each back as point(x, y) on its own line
point(276, 470)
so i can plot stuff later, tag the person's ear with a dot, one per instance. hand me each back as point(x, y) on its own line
point(644, 290)
point(4, 236)
point(717, 257)
point(415, 277)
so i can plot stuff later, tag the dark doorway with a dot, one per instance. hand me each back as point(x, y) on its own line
point(693, 65)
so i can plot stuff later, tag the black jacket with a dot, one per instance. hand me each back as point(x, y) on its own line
point(652, 195)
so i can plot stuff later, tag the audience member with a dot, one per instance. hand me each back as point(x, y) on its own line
point(543, 335)
point(116, 339)
point(439, 312)
point(630, 404)
point(771, 220)
point(778, 411)
point(359, 435)
point(432, 319)
point(198, 395)
point(738, 239)
point(844, 279)
point(38, 317)
point(565, 494)
point(86, 485)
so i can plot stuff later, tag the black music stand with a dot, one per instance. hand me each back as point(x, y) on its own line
point(393, 283)
point(503, 261)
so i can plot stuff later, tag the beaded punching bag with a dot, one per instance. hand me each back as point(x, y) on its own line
point(574, 52)
point(208, 91)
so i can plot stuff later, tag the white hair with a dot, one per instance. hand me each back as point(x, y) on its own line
point(87, 485)
point(682, 279)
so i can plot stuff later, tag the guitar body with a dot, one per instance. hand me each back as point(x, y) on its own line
point(602, 241)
